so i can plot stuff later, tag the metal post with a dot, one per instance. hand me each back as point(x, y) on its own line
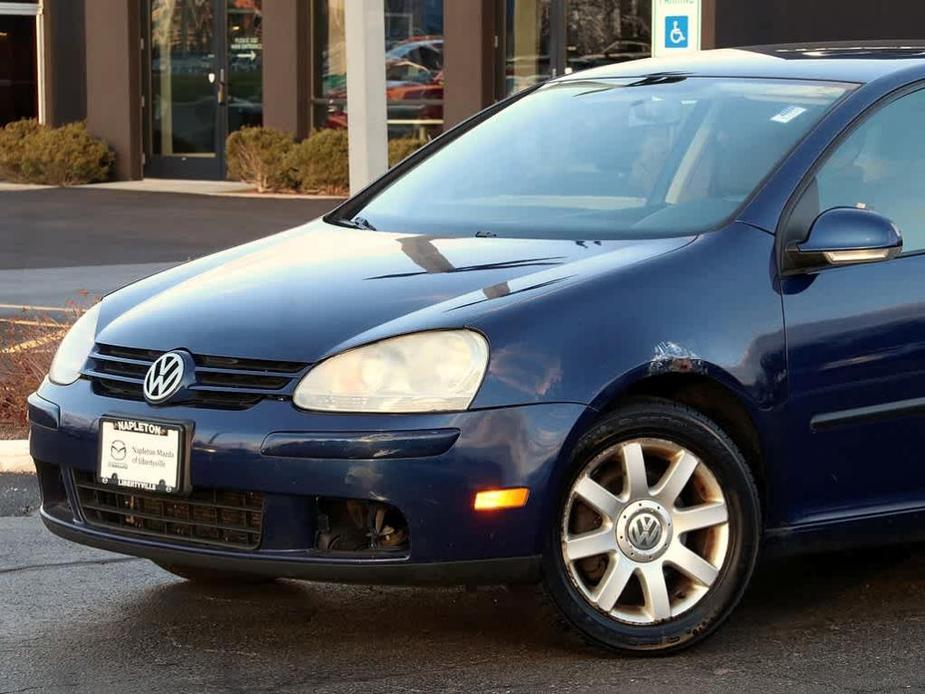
point(364, 22)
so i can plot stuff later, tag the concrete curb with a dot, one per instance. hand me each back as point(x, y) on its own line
point(14, 457)
point(19, 187)
point(222, 189)
point(217, 189)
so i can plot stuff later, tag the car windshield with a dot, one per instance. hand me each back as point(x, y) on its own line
point(606, 159)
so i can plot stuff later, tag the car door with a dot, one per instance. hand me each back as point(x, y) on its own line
point(856, 334)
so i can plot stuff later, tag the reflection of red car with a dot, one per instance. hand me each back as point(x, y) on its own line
point(402, 94)
point(406, 71)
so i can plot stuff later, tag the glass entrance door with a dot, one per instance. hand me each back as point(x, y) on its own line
point(205, 69)
point(18, 61)
point(548, 38)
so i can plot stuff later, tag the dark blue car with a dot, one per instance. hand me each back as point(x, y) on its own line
point(614, 334)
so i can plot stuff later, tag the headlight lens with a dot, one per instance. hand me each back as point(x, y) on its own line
point(74, 349)
point(437, 371)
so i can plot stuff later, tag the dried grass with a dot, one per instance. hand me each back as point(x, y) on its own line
point(27, 346)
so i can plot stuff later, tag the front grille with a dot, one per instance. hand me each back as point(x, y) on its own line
point(228, 519)
point(221, 382)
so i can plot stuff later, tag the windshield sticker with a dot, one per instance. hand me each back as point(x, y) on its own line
point(788, 114)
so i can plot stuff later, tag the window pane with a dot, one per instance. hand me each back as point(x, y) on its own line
point(18, 85)
point(245, 63)
point(182, 58)
point(661, 159)
point(601, 32)
point(881, 166)
point(413, 65)
point(528, 58)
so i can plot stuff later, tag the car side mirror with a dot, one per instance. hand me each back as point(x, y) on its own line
point(846, 236)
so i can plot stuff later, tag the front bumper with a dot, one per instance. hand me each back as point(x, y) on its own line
point(416, 463)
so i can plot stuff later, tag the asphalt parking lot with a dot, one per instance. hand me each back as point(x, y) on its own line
point(60, 244)
point(75, 619)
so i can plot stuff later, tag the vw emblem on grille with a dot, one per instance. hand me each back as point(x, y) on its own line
point(645, 531)
point(164, 378)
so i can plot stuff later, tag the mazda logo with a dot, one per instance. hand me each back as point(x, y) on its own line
point(118, 450)
point(164, 378)
point(645, 530)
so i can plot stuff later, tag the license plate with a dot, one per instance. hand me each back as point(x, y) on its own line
point(141, 455)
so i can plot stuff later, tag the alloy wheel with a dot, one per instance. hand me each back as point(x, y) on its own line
point(645, 531)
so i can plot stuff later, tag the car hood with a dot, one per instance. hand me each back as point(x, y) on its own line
point(314, 290)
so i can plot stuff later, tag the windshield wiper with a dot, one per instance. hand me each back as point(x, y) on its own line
point(357, 223)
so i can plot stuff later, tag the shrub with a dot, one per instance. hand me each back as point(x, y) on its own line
point(403, 147)
point(271, 161)
point(260, 156)
point(65, 156)
point(14, 139)
point(319, 163)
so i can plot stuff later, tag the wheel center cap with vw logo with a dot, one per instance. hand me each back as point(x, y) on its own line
point(644, 530)
point(165, 377)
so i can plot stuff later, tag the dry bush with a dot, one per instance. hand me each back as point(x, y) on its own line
point(27, 347)
point(259, 156)
point(271, 161)
point(65, 156)
point(403, 147)
point(14, 139)
point(319, 163)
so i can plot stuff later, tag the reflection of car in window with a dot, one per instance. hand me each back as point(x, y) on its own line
point(414, 74)
point(407, 71)
point(617, 52)
point(426, 52)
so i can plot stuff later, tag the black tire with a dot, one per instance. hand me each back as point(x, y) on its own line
point(657, 418)
point(213, 577)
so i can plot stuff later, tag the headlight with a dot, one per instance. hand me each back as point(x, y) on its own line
point(437, 371)
point(74, 349)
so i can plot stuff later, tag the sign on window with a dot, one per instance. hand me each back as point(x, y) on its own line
point(675, 26)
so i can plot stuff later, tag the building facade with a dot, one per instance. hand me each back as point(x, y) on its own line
point(165, 81)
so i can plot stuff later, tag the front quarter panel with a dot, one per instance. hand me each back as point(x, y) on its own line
point(711, 307)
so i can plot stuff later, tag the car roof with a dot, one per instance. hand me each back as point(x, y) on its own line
point(845, 61)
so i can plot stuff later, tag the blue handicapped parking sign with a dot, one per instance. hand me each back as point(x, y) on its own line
point(676, 31)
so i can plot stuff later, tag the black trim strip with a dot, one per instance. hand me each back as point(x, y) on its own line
point(871, 413)
point(359, 445)
point(523, 569)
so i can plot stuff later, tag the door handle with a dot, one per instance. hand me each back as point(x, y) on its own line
point(220, 94)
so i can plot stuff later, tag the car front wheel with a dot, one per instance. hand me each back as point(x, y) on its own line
point(657, 531)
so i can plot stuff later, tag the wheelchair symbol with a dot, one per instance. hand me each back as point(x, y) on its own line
point(676, 34)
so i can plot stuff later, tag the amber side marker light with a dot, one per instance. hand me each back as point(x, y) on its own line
point(493, 499)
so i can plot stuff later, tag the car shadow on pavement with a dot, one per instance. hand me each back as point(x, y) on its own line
point(826, 592)
point(818, 623)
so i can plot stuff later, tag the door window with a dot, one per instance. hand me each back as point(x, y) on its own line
point(603, 32)
point(18, 77)
point(547, 38)
point(182, 77)
point(413, 65)
point(528, 48)
point(245, 63)
point(881, 166)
